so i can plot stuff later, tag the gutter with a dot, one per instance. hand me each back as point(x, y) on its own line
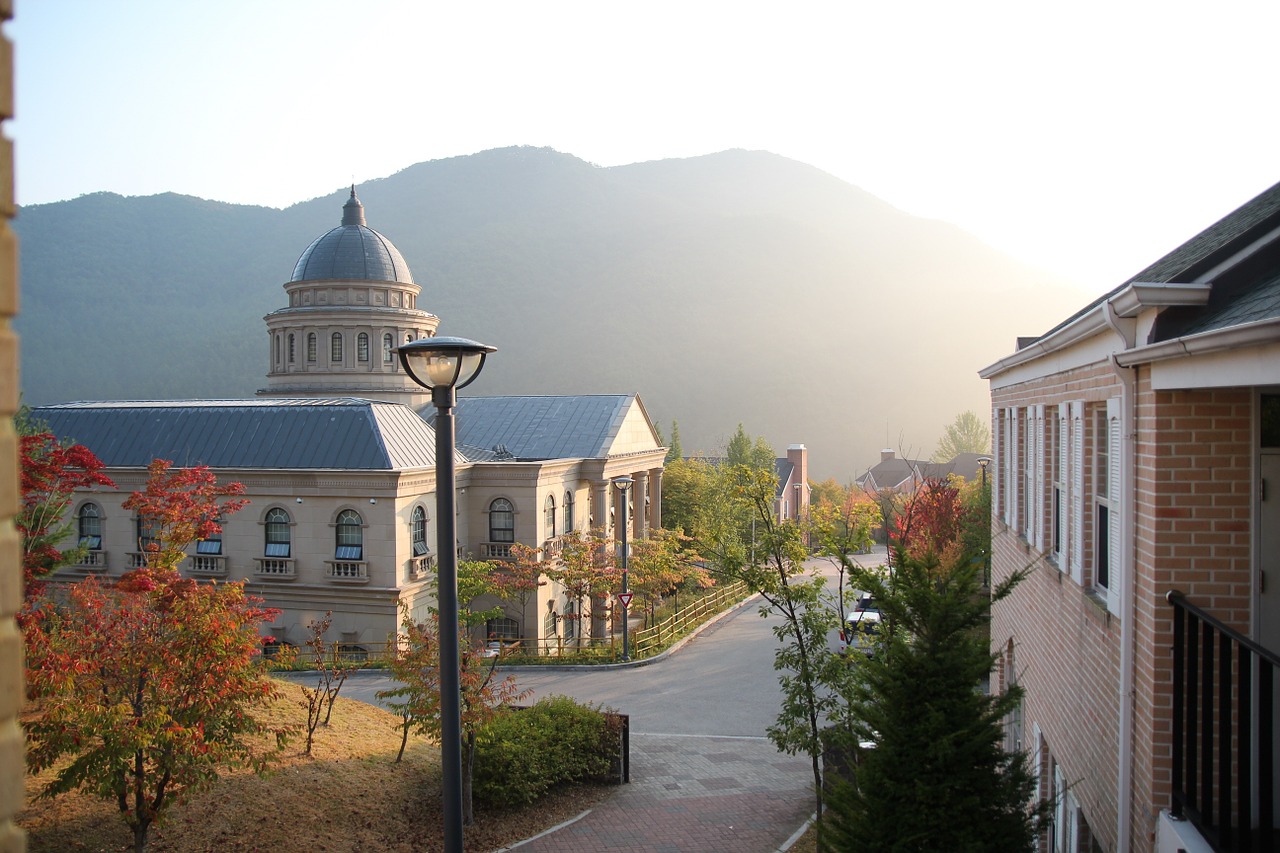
point(1219, 340)
point(1127, 552)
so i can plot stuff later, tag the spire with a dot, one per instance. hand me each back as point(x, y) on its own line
point(353, 210)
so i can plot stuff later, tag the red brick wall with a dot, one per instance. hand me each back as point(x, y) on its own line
point(1067, 646)
point(1194, 530)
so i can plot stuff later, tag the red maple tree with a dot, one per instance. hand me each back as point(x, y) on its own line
point(51, 472)
point(149, 688)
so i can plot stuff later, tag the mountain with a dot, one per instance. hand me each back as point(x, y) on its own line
point(738, 287)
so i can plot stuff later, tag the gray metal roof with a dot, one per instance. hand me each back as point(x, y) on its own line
point(534, 428)
point(346, 434)
point(352, 251)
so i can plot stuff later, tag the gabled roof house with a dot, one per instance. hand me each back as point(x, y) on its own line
point(1136, 478)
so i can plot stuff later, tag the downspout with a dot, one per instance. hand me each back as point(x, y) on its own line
point(1127, 552)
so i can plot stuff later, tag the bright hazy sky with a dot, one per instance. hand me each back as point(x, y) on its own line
point(1087, 138)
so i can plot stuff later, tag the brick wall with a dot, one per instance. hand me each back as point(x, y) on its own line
point(1067, 646)
point(1194, 533)
point(11, 686)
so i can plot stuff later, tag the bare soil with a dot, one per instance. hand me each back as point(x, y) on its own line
point(348, 795)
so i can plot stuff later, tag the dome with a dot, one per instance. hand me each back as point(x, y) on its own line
point(352, 251)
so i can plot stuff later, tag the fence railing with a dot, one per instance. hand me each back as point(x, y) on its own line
point(1224, 728)
point(650, 641)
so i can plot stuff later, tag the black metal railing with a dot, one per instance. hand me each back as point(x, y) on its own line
point(1224, 722)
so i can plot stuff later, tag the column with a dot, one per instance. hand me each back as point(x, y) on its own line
point(640, 524)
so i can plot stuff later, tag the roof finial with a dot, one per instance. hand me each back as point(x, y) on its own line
point(353, 210)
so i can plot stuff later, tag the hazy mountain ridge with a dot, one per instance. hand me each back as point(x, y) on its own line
point(734, 287)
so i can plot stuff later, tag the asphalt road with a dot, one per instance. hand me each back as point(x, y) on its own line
point(719, 683)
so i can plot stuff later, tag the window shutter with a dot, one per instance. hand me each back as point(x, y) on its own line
point(1037, 469)
point(1076, 498)
point(998, 468)
point(1015, 473)
point(1064, 501)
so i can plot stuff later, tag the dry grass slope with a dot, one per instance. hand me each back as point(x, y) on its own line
point(349, 795)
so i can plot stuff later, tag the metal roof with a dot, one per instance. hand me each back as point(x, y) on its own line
point(344, 434)
point(352, 251)
point(534, 428)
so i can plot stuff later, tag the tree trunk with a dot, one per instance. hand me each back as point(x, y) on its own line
point(468, 759)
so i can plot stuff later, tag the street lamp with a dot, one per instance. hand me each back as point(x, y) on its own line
point(623, 484)
point(443, 365)
point(983, 462)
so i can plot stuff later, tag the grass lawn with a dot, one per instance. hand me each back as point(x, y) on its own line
point(349, 795)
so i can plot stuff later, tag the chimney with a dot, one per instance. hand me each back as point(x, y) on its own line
point(886, 454)
point(798, 456)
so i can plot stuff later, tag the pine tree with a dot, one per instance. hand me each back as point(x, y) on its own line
point(930, 768)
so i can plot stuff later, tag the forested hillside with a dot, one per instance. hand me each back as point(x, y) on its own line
point(735, 287)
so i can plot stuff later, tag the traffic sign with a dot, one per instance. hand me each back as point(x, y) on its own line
point(625, 598)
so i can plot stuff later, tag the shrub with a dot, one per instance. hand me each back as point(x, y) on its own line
point(523, 754)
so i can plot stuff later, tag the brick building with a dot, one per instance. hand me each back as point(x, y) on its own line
point(1137, 455)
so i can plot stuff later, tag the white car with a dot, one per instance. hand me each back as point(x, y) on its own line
point(862, 628)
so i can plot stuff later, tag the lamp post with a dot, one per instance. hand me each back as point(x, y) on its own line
point(983, 462)
point(623, 484)
point(443, 365)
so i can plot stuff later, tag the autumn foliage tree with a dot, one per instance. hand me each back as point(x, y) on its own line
point(519, 580)
point(146, 690)
point(51, 472)
point(585, 570)
point(417, 667)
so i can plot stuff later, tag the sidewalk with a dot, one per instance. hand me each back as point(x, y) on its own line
point(694, 794)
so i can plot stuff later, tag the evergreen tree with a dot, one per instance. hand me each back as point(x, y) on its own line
point(674, 451)
point(930, 771)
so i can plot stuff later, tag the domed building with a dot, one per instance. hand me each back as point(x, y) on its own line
point(337, 456)
point(352, 301)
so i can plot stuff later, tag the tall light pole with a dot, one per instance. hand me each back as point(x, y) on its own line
point(983, 462)
point(443, 365)
point(623, 484)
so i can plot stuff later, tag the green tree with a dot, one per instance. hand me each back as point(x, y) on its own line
point(751, 452)
point(827, 492)
point(686, 487)
point(674, 451)
point(931, 769)
point(966, 434)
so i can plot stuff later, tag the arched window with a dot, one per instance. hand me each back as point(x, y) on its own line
point(408, 338)
point(362, 346)
point(549, 516)
point(147, 534)
point(335, 346)
point(278, 533)
point(277, 359)
point(291, 347)
point(90, 523)
point(502, 521)
point(311, 346)
point(568, 512)
point(349, 539)
point(388, 343)
point(418, 531)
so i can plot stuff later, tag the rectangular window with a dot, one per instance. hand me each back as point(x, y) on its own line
point(348, 552)
point(209, 546)
point(277, 549)
point(1058, 478)
point(1101, 499)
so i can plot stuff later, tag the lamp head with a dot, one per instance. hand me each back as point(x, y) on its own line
point(623, 483)
point(983, 462)
point(443, 362)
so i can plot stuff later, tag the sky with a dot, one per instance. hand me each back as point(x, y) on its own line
point(1085, 138)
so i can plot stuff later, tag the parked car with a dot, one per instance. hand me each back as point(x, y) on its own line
point(861, 632)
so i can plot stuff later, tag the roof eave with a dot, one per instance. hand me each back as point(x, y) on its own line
point(1128, 302)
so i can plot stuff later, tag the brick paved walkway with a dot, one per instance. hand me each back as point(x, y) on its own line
point(694, 794)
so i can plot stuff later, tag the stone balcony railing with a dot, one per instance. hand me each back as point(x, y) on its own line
point(275, 568)
point(347, 571)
